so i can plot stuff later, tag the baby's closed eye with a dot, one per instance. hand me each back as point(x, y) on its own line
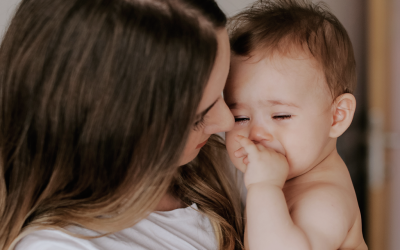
point(241, 120)
point(281, 117)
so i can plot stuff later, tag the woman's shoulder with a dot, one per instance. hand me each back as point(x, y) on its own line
point(180, 229)
point(50, 239)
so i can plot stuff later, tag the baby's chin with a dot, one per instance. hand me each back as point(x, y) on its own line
point(296, 170)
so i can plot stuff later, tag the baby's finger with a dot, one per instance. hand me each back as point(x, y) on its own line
point(246, 160)
point(247, 144)
point(260, 147)
point(240, 153)
point(263, 148)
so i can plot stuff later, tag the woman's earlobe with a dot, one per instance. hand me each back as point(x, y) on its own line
point(343, 110)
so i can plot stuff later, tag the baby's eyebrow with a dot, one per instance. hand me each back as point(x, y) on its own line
point(232, 105)
point(278, 102)
point(236, 105)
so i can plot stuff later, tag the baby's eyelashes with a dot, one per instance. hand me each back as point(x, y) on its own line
point(279, 117)
point(282, 117)
point(241, 120)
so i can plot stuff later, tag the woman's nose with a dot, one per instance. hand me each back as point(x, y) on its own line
point(220, 119)
point(259, 133)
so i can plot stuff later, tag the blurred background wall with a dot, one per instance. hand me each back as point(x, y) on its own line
point(392, 9)
point(371, 146)
point(7, 7)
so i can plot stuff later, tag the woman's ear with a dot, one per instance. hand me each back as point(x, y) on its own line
point(342, 114)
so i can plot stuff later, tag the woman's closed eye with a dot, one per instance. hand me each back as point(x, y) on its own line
point(281, 117)
point(199, 124)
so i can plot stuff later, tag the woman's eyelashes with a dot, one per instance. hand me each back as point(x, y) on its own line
point(199, 124)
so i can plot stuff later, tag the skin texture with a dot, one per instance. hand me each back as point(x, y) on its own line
point(300, 195)
point(213, 113)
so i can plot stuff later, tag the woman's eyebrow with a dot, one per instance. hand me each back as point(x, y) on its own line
point(203, 113)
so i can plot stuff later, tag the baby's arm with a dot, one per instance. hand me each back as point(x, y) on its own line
point(320, 220)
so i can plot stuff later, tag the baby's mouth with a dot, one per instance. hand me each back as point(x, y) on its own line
point(266, 144)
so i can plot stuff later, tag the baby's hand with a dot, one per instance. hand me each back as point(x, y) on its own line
point(262, 164)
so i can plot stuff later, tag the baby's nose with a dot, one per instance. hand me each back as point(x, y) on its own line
point(258, 134)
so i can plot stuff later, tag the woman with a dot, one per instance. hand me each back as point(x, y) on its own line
point(107, 113)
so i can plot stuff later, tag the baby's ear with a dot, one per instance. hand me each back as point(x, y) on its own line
point(342, 114)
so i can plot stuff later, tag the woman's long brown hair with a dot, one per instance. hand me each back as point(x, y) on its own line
point(97, 98)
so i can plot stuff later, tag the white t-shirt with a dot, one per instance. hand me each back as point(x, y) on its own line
point(179, 229)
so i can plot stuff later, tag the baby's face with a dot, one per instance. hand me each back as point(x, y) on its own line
point(285, 104)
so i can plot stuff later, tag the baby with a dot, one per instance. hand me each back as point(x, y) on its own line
point(290, 91)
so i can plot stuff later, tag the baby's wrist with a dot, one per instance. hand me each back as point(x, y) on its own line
point(265, 184)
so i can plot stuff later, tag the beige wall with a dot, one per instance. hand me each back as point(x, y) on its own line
point(231, 7)
point(7, 8)
point(394, 125)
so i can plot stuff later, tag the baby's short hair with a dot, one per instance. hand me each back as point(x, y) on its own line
point(281, 25)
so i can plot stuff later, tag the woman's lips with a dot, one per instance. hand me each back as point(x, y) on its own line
point(202, 144)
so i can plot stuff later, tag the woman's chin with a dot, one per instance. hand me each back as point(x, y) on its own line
point(186, 158)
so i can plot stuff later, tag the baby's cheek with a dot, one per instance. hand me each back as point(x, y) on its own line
point(298, 164)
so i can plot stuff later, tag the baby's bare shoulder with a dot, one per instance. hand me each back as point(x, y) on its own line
point(327, 186)
point(322, 197)
point(325, 211)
